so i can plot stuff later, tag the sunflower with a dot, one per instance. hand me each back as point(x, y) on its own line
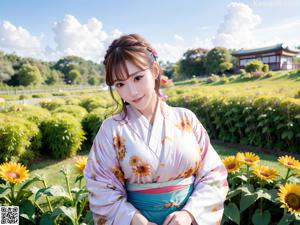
point(231, 164)
point(142, 169)
point(80, 164)
point(14, 173)
point(117, 171)
point(184, 125)
point(265, 173)
point(101, 220)
point(289, 161)
point(118, 142)
point(248, 158)
point(121, 153)
point(289, 196)
point(134, 160)
point(188, 173)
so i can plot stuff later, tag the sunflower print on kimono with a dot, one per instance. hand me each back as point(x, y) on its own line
point(132, 150)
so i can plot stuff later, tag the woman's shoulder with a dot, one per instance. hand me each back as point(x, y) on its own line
point(111, 124)
point(180, 111)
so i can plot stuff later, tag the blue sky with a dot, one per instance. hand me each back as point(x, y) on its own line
point(52, 29)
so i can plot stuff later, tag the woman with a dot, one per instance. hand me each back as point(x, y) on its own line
point(151, 163)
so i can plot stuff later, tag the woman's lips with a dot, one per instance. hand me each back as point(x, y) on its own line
point(138, 99)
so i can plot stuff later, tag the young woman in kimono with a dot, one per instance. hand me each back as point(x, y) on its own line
point(151, 163)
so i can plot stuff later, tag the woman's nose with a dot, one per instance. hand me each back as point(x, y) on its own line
point(132, 89)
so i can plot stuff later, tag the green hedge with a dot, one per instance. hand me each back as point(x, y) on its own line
point(20, 139)
point(263, 122)
point(62, 135)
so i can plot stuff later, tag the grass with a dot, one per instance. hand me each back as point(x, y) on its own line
point(50, 168)
point(281, 84)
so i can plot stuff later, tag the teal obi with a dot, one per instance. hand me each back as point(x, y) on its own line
point(157, 200)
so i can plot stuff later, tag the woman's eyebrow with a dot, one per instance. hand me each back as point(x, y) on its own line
point(137, 72)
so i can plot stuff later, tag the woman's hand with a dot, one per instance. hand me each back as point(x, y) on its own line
point(139, 219)
point(179, 218)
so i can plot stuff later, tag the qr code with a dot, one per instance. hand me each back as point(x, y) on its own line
point(9, 215)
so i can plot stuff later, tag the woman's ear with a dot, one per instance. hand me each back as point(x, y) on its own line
point(155, 70)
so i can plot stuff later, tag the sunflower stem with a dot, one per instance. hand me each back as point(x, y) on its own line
point(68, 187)
point(12, 188)
point(47, 198)
point(287, 175)
point(248, 174)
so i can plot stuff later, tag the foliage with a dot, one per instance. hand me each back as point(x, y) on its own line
point(29, 75)
point(74, 110)
point(19, 138)
point(52, 104)
point(218, 60)
point(192, 63)
point(257, 192)
point(92, 122)
point(62, 135)
point(254, 66)
point(63, 206)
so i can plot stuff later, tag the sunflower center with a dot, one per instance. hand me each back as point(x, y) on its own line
point(248, 160)
point(265, 174)
point(231, 166)
point(293, 201)
point(13, 175)
point(290, 163)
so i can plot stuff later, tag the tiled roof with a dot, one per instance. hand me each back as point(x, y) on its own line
point(264, 50)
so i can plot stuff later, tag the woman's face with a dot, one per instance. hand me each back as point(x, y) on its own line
point(138, 90)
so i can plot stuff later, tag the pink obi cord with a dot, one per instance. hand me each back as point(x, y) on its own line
point(162, 189)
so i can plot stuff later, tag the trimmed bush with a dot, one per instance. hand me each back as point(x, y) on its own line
point(254, 66)
point(91, 103)
point(62, 135)
point(32, 113)
point(52, 104)
point(92, 122)
point(75, 110)
point(18, 138)
point(265, 68)
point(266, 121)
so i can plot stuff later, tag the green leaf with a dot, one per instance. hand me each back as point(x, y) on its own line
point(267, 194)
point(247, 200)
point(263, 218)
point(286, 219)
point(88, 219)
point(232, 212)
point(287, 134)
point(27, 210)
point(46, 219)
point(70, 212)
point(55, 190)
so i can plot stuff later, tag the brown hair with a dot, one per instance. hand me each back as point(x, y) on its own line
point(130, 47)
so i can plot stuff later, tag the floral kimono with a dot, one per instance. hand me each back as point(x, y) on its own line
point(133, 151)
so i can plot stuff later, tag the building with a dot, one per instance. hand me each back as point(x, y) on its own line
point(278, 57)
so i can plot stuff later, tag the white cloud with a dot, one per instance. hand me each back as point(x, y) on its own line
point(236, 31)
point(178, 38)
point(19, 40)
point(84, 40)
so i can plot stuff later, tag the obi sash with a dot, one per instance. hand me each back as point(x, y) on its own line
point(156, 201)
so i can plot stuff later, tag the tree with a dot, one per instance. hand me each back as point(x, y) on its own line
point(73, 76)
point(218, 60)
point(192, 63)
point(6, 71)
point(29, 74)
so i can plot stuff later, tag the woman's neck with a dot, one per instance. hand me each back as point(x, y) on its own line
point(149, 113)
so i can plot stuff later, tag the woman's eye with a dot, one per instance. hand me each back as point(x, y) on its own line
point(118, 85)
point(137, 78)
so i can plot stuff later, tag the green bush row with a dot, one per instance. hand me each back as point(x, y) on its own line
point(263, 122)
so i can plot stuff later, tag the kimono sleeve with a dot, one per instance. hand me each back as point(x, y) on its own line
point(206, 203)
point(105, 182)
